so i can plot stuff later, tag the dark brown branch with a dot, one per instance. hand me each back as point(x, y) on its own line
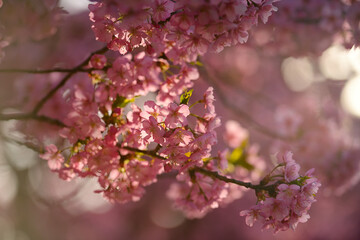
point(65, 79)
point(149, 153)
point(44, 71)
point(31, 116)
point(213, 174)
point(46, 119)
point(258, 96)
point(216, 175)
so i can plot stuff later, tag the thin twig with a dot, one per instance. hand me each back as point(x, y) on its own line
point(258, 96)
point(209, 173)
point(230, 105)
point(44, 71)
point(149, 153)
point(76, 69)
point(216, 175)
point(29, 116)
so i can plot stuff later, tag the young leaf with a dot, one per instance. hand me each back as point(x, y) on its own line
point(121, 102)
point(238, 158)
point(185, 97)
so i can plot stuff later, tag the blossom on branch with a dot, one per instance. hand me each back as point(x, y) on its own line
point(290, 201)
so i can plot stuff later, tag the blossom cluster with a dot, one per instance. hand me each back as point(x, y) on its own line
point(181, 29)
point(115, 148)
point(322, 138)
point(288, 204)
point(126, 148)
point(241, 160)
point(309, 124)
point(169, 33)
point(106, 134)
point(196, 194)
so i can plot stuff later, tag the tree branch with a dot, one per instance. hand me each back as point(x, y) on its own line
point(65, 79)
point(213, 174)
point(29, 116)
point(44, 71)
point(216, 175)
point(149, 153)
point(230, 105)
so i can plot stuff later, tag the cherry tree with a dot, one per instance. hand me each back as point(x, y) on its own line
point(140, 99)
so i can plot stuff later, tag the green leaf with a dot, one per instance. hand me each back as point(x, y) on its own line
point(121, 102)
point(300, 181)
point(238, 158)
point(185, 97)
point(197, 63)
point(236, 155)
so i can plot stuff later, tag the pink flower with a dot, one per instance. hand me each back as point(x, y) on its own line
point(238, 35)
point(152, 130)
point(176, 115)
point(180, 137)
point(189, 73)
point(184, 20)
point(205, 141)
point(117, 187)
point(120, 70)
point(83, 103)
point(143, 172)
point(53, 156)
point(152, 109)
point(105, 30)
point(133, 117)
point(266, 11)
point(209, 100)
point(291, 204)
point(295, 219)
point(92, 126)
point(135, 138)
point(287, 192)
point(104, 158)
point(97, 61)
point(233, 9)
point(143, 63)
point(196, 44)
point(301, 204)
point(252, 215)
point(176, 155)
point(162, 10)
point(311, 187)
point(208, 123)
point(235, 134)
point(275, 208)
point(291, 171)
point(198, 196)
point(120, 45)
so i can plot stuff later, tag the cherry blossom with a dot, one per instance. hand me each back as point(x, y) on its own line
point(131, 111)
point(176, 114)
point(293, 199)
point(53, 156)
point(235, 135)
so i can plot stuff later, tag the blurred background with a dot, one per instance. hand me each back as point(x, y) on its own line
point(289, 77)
